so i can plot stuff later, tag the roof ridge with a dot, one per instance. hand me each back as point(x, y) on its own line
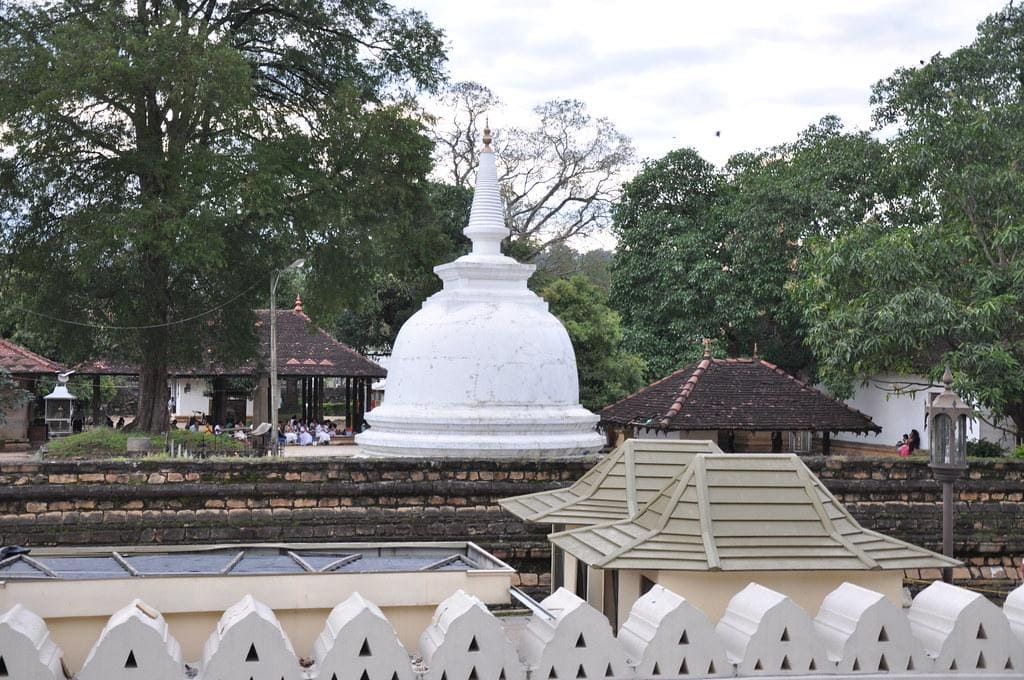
point(811, 487)
point(685, 391)
point(671, 375)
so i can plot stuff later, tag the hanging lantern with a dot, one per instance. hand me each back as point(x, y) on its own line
point(948, 416)
point(60, 408)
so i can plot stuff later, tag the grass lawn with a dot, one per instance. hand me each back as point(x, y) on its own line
point(104, 442)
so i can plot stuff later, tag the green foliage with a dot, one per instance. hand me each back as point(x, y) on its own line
point(164, 157)
point(105, 442)
point(1018, 452)
point(709, 253)
point(11, 395)
point(559, 261)
point(935, 277)
point(667, 268)
point(395, 294)
point(100, 442)
point(983, 448)
point(201, 440)
point(607, 372)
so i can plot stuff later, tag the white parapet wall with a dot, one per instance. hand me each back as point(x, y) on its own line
point(964, 632)
point(766, 633)
point(666, 635)
point(134, 645)
point(359, 643)
point(464, 641)
point(26, 650)
point(865, 632)
point(572, 640)
point(249, 644)
point(948, 633)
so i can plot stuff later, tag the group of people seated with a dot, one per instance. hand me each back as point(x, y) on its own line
point(203, 424)
point(309, 433)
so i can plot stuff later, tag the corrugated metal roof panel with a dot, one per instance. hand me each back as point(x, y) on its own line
point(756, 512)
point(627, 478)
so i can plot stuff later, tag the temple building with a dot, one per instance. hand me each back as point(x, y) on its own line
point(744, 404)
point(315, 371)
point(483, 369)
point(25, 368)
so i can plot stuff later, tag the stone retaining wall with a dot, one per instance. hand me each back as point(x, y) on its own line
point(173, 502)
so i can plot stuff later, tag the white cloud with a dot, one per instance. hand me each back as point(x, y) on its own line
point(672, 73)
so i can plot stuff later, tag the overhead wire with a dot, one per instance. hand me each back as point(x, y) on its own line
point(99, 326)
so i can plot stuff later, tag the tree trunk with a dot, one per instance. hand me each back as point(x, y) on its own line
point(152, 413)
point(154, 345)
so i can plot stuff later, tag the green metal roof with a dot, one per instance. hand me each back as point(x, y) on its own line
point(743, 512)
point(616, 488)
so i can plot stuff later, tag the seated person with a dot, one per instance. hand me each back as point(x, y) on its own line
point(289, 434)
point(240, 434)
point(305, 438)
point(323, 435)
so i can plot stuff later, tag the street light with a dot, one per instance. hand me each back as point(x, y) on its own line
point(948, 416)
point(274, 398)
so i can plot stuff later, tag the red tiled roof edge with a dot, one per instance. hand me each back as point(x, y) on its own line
point(44, 365)
point(804, 385)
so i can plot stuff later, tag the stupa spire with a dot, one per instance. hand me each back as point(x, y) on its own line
point(486, 227)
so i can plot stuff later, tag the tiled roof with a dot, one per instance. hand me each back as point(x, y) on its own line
point(734, 394)
point(743, 512)
point(20, 361)
point(616, 488)
point(302, 350)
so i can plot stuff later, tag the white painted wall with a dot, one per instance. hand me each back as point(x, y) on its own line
point(188, 403)
point(897, 404)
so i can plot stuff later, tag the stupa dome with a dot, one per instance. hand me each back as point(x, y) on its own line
point(483, 369)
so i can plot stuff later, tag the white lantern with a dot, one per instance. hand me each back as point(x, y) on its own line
point(60, 407)
point(948, 415)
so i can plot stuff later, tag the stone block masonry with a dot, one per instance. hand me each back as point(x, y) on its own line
point(282, 500)
point(175, 502)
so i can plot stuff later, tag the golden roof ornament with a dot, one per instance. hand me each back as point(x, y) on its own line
point(487, 135)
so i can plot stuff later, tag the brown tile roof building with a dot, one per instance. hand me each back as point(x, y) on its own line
point(734, 394)
point(20, 361)
point(302, 350)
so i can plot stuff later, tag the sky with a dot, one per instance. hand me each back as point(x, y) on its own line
point(673, 73)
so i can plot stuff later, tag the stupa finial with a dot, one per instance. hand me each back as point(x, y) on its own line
point(487, 216)
point(487, 134)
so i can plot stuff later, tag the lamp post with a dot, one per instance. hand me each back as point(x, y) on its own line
point(274, 398)
point(948, 416)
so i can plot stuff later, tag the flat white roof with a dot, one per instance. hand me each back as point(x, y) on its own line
point(88, 563)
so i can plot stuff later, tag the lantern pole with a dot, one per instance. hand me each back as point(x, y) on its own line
point(275, 446)
point(948, 416)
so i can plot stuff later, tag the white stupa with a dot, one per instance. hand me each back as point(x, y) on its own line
point(483, 369)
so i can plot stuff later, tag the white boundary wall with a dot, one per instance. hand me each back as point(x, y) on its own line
point(948, 632)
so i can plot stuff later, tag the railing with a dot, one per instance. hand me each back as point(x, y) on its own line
point(947, 632)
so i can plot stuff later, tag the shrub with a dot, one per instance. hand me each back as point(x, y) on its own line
point(102, 442)
point(983, 448)
point(1019, 452)
point(201, 440)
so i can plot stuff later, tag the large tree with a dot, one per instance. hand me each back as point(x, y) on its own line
point(559, 177)
point(165, 155)
point(709, 253)
point(937, 277)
